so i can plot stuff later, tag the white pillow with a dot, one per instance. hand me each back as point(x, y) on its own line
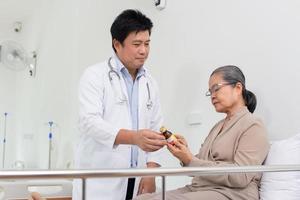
point(282, 185)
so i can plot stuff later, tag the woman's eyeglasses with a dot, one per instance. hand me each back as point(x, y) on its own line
point(215, 88)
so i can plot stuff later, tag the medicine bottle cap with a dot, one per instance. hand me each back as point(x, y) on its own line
point(162, 129)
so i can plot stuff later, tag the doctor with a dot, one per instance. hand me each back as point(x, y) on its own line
point(120, 114)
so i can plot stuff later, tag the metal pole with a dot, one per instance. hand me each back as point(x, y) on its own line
point(163, 182)
point(111, 173)
point(83, 189)
point(4, 141)
point(50, 145)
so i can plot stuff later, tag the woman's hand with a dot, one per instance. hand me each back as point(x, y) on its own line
point(181, 139)
point(180, 150)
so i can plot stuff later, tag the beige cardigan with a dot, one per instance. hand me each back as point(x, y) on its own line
point(243, 141)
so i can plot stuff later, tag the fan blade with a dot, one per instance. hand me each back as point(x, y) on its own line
point(13, 56)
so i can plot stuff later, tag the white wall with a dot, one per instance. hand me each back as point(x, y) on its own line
point(7, 105)
point(8, 95)
point(51, 95)
point(189, 40)
point(260, 37)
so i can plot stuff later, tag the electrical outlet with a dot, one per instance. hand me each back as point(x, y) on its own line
point(28, 136)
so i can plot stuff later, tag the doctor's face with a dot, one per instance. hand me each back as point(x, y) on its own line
point(134, 50)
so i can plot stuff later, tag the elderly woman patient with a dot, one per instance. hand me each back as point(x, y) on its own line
point(239, 139)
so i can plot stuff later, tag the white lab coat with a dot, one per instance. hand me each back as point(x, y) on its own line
point(101, 117)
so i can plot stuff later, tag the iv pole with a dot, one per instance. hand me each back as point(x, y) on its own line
point(50, 143)
point(4, 141)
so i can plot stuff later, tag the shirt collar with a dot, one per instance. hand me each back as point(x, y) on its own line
point(234, 118)
point(243, 110)
point(120, 68)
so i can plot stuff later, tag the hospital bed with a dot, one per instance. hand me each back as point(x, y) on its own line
point(56, 189)
point(163, 172)
point(280, 180)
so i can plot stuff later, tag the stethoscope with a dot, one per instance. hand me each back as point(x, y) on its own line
point(122, 97)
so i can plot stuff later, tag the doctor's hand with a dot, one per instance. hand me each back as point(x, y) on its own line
point(180, 150)
point(35, 196)
point(148, 140)
point(147, 185)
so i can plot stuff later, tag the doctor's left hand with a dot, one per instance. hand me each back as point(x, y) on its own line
point(147, 185)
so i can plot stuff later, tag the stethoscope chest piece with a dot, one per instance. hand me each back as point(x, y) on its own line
point(149, 104)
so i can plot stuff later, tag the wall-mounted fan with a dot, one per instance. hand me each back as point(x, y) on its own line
point(14, 57)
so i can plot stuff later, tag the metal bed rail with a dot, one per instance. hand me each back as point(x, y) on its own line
point(162, 172)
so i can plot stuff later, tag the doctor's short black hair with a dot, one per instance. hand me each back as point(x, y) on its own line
point(127, 22)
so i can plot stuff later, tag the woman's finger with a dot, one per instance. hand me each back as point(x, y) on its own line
point(178, 145)
point(178, 136)
point(171, 148)
point(181, 139)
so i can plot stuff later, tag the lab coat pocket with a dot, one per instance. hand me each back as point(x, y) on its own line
point(145, 116)
point(110, 159)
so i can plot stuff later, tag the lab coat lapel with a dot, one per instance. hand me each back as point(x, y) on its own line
point(123, 89)
point(143, 111)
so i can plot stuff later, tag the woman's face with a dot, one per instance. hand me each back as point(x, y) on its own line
point(224, 96)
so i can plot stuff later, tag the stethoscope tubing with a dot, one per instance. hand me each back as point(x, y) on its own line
point(112, 71)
